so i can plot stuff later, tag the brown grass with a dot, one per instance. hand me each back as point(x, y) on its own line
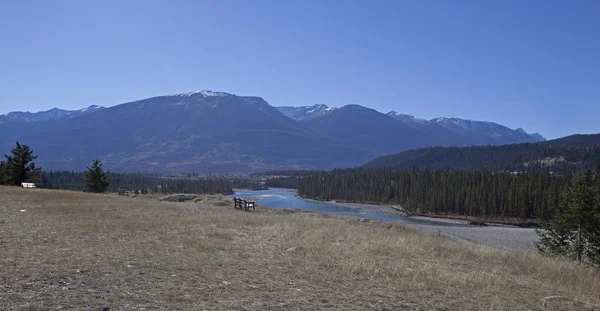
point(75, 251)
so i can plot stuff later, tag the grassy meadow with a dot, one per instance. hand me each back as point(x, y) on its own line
point(62, 250)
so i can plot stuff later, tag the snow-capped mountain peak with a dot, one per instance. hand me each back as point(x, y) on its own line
point(465, 124)
point(317, 108)
point(405, 117)
point(305, 112)
point(205, 93)
point(90, 108)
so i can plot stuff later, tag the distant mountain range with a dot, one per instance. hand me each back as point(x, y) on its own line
point(217, 132)
point(475, 132)
point(53, 114)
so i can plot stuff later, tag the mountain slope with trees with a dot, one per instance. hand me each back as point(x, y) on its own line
point(560, 155)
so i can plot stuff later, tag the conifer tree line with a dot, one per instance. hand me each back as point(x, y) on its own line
point(285, 173)
point(282, 182)
point(150, 184)
point(144, 184)
point(248, 184)
point(532, 194)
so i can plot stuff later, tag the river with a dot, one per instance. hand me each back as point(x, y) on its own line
point(506, 237)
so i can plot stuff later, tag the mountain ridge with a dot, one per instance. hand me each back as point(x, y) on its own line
point(305, 112)
point(52, 114)
point(294, 112)
point(178, 133)
point(219, 132)
point(493, 131)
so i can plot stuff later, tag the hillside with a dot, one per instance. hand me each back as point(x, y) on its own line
point(568, 153)
point(89, 252)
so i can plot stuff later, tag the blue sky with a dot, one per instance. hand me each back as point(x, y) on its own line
point(530, 64)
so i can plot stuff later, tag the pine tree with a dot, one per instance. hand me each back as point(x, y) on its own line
point(575, 231)
point(19, 166)
point(96, 180)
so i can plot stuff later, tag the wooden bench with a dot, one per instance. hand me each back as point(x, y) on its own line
point(243, 204)
point(123, 192)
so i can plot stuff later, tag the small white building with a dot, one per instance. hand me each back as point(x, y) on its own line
point(28, 185)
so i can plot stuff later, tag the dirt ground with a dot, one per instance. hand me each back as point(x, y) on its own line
point(64, 250)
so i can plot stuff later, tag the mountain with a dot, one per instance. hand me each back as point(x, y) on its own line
point(53, 114)
point(482, 132)
point(469, 132)
point(199, 131)
point(559, 155)
point(305, 112)
point(538, 137)
point(370, 131)
point(217, 132)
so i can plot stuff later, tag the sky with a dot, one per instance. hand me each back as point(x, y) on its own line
point(531, 64)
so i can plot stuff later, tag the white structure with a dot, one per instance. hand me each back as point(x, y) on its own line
point(28, 185)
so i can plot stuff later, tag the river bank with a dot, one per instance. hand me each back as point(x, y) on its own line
point(494, 235)
point(504, 236)
point(394, 209)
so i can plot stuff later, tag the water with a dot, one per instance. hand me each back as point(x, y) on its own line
point(277, 198)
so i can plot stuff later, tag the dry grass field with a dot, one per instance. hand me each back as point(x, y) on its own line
point(77, 251)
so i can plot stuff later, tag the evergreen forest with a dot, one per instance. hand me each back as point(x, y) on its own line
point(530, 194)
